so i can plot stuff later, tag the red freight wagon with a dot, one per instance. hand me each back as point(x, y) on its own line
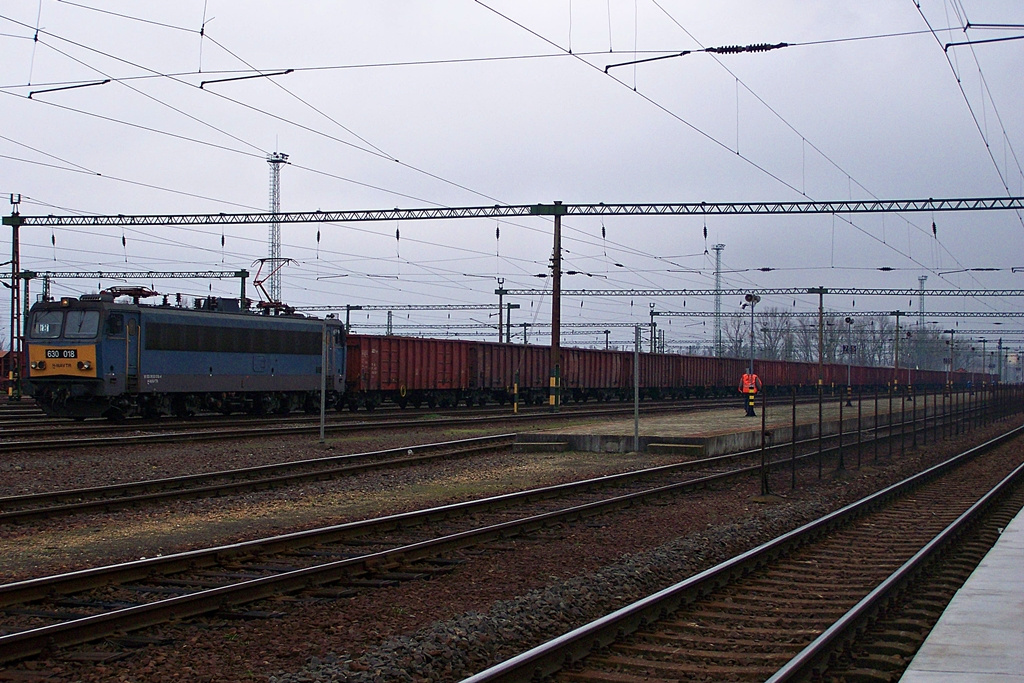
point(585, 373)
point(494, 367)
point(406, 370)
point(412, 370)
point(592, 373)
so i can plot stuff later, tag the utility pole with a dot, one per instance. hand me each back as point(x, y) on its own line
point(557, 210)
point(636, 389)
point(896, 348)
point(849, 361)
point(508, 321)
point(348, 313)
point(821, 292)
point(984, 363)
point(654, 327)
point(14, 393)
point(718, 299)
point(751, 300)
point(1000, 361)
point(949, 368)
point(921, 279)
point(501, 294)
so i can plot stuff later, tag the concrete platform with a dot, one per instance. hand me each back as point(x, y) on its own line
point(702, 433)
point(980, 636)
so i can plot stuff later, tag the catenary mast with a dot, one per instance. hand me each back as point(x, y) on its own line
point(275, 159)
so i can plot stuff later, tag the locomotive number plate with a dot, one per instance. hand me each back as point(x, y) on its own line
point(62, 353)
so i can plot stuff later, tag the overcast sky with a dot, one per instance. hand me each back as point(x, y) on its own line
point(460, 103)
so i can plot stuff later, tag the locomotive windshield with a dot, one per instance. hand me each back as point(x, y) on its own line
point(81, 324)
point(47, 324)
point(73, 324)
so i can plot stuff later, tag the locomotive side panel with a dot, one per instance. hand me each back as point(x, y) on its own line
point(227, 353)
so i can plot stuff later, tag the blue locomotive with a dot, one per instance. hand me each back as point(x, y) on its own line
point(93, 356)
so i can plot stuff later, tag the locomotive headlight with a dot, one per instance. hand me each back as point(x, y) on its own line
point(38, 365)
point(84, 365)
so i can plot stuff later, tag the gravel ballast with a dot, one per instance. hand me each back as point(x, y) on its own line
point(496, 603)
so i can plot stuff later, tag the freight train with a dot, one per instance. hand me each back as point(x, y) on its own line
point(94, 356)
point(415, 371)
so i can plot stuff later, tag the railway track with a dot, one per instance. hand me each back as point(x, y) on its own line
point(27, 428)
point(47, 437)
point(24, 508)
point(69, 609)
point(847, 597)
point(28, 507)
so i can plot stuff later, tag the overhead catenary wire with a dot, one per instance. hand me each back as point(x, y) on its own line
point(639, 269)
point(788, 124)
point(974, 114)
point(746, 159)
point(299, 166)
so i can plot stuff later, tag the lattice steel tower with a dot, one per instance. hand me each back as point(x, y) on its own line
point(718, 299)
point(275, 159)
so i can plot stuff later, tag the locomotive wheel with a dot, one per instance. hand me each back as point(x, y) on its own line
point(284, 405)
point(114, 414)
point(185, 406)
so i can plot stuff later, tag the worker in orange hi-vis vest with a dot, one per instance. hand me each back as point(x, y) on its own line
point(750, 384)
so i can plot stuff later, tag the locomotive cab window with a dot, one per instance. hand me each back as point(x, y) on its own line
point(47, 324)
point(81, 324)
point(115, 324)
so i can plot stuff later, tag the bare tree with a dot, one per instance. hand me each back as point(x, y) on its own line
point(805, 343)
point(736, 337)
point(773, 326)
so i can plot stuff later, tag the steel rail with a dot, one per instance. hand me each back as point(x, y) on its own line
point(79, 580)
point(845, 629)
point(343, 427)
point(17, 509)
point(27, 643)
point(270, 431)
point(552, 656)
point(27, 507)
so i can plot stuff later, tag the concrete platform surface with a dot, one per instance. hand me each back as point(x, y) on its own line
point(728, 430)
point(718, 421)
point(980, 636)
